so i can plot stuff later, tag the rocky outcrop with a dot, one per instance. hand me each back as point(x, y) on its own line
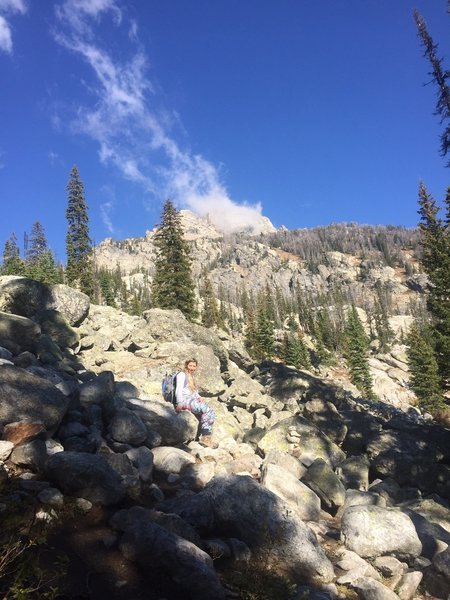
point(327, 487)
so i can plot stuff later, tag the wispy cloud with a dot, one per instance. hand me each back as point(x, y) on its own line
point(8, 8)
point(132, 131)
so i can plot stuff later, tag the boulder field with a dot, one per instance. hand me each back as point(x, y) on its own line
point(333, 491)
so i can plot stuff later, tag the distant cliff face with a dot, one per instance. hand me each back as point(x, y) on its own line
point(245, 261)
point(368, 275)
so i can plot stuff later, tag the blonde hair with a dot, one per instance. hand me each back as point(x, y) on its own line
point(190, 378)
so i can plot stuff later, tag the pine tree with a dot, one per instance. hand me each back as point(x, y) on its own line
point(173, 286)
point(440, 78)
point(210, 314)
point(12, 263)
point(40, 262)
point(265, 338)
point(435, 240)
point(79, 270)
point(106, 288)
point(425, 380)
point(356, 353)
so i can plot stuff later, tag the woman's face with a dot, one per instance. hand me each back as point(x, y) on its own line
point(191, 367)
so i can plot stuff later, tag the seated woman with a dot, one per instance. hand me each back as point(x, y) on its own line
point(188, 398)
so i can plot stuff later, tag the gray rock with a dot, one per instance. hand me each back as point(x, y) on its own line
point(54, 324)
point(197, 476)
point(142, 459)
point(126, 427)
point(286, 462)
point(73, 428)
point(51, 496)
point(408, 585)
point(248, 511)
point(325, 483)
point(98, 390)
point(369, 589)
point(326, 417)
point(309, 440)
point(357, 498)
point(86, 476)
point(441, 562)
point(71, 303)
point(150, 544)
point(408, 459)
point(26, 397)
point(171, 460)
point(5, 449)
point(354, 472)
point(5, 354)
point(31, 455)
point(389, 566)
point(174, 428)
point(18, 333)
point(294, 492)
point(430, 534)
point(372, 531)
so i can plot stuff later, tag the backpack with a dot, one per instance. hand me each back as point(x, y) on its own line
point(169, 387)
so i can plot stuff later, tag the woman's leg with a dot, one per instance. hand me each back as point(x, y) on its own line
point(206, 414)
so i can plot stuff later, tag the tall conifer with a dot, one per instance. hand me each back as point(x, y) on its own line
point(12, 263)
point(172, 285)
point(356, 353)
point(79, 270)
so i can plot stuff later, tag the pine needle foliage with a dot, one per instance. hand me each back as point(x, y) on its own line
point(425, 380)
point(40, 262)
point(12, 262)
point(356, 353)
point(173, 285)
point(440, 78)
point(435, 239)
point(79, 269)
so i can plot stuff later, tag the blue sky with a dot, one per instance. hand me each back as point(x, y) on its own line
point(307, 111)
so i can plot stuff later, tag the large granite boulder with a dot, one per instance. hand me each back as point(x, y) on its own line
point(294, 492)
point(25, 297)
point(372, 531)
point(300, 437)
point(18, 333)
point(240, 507)
point(27, 397)
point(83, 475)
point(55, 325)
point(152, 545)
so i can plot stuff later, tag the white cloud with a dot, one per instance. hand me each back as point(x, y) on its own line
point(5, 36)
point(13, 6)
point(8, 7)
point(132, 133)
point(105, 210)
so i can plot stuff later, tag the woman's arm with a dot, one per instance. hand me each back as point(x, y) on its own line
point(181, 380)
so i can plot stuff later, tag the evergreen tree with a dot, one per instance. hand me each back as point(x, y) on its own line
point(425, 380)
point(210, 314)
point(435, 239)
point(79, 270)
point(173, 286)
point(265, 338)
point(12, 263)
point(40, 262)
point(106, 288)
point(356, 353)
point(440, 78)
point(294, 351)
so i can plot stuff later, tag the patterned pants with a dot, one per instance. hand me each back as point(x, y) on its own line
point(200, 409)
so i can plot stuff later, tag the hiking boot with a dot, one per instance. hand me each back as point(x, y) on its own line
point(207, 441)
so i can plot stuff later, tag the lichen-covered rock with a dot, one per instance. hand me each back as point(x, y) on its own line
point(372, 531)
